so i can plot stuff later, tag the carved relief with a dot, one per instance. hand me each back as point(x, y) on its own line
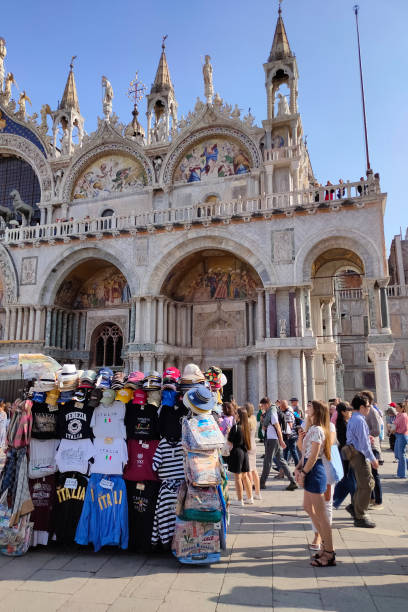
point(9, 276)
point(283, 246)
point(29, 270)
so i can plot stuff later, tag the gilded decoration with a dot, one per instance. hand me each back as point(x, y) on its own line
point(111, 174)
point(106, 287)
point(212, 157)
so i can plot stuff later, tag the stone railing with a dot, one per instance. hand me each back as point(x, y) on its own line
point(397, 291)
point(282, 153)
point(350, 294)
point(198, 214)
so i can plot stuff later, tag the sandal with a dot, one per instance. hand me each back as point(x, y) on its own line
point(330, 561)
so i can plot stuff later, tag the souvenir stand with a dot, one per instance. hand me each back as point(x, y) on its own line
point(131, 461)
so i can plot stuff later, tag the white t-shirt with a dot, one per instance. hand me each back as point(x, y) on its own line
point(271, 430)
point(42, 457)
point(315, 433)
point(108, 421)
point(110, 456)
point(73, 455)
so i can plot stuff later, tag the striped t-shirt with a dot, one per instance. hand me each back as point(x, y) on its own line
point(168, 460)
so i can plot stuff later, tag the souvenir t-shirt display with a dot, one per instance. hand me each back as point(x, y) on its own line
point(44, 421)
point(42, 491)
point(74, 455)
point(42, 458)
point(110, 456)
point(69, 501)
point(141, 422)
point(170, 420)
point(108, 421)
point(140, 464)
point(74, 423)
point(142, 499)
point(168, 460)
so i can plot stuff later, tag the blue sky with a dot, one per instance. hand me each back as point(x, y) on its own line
point(118, 38)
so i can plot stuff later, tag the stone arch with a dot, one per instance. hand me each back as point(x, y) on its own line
point(111, 333)
point(17, 145)
point(74, 258)
point(193, 138)
point(354, 241)
point(93, 153)
point(9, 277)
point(284, 67)
point(183, 248)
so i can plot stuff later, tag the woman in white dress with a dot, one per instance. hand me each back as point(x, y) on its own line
point(253, 425)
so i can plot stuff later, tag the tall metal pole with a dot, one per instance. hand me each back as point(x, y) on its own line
point(356, 9)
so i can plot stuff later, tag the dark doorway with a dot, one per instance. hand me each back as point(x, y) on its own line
point(228, 389)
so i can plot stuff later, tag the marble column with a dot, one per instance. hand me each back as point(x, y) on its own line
point(371, 310)
point(328, 319)
point(148, 319)
point(380, 355)
point(70, 321)
point(250, 323)
point(300, 313)
point(53, 337)
point(310, 375)
point(166, 321)
point(31, 323)
point(385, 318)
point(261, 375)
point(60, 329)
point(19, 326)
point(260, 316)
point(75, 327)
point(160, 319)
point(292, 313)
point(331, 376)
point(48, 325)
point(273, 321)
point(160, 363)
point(136, 362)
point(179, 325)
point(138, 321)
point(296, 376)
point(38, 323)
point(82, 332)
point(189, 324)
point(64, 335)
point(13, 315)
point(153, 319)
point(24, 324)
point(272, 375)
point(147, 362)
point(7, 325)
point(308, 314)
point(132, 321)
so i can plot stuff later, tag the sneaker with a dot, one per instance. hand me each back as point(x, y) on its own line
point(377, 507)
point(250, 501)
point(363, 522)
point(350, 510)
point(279, 477)
point(257, 496)
point(292, 486)
point(237, 502)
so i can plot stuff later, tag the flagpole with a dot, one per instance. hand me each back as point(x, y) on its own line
point(356, 9)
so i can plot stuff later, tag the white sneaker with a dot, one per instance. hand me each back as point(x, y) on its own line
point(237, 502)
point(250, 501)
point(257, 496)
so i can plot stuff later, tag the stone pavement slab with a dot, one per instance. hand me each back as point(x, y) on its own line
point(265, 568)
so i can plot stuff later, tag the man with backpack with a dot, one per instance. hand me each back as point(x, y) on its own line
point(274, 444)
point(289, 427)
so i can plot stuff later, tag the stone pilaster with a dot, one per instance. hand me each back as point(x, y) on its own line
point(310, 375)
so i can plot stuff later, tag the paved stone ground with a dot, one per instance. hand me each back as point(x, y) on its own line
point(266, 567)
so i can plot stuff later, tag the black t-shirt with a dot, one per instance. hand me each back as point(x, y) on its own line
point(142, 499)
point(142, 422)
point(74, 423)
point(42, 491)
point(68, 506)
point(44, 421)
point(170, 420)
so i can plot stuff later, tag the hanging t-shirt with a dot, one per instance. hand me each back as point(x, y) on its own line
point(142, 499)
point(74, 455)
point(139, 466)
point(42, 458)
point(168, 460)
point(110, 456)
point(69, 501)
point(170, 420)
point(44, 421)
point(42, 492)
point(108, 421)
point(141, 422)
point(74, 423)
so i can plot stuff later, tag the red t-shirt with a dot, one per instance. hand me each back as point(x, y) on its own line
point(139, 465)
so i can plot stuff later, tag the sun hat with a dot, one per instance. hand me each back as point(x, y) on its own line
point(192, 373)
point(108, 397)
point(139, 397)
point(199, 399)
point(95, 397)
point(45, 383)
point(124, 395)
point(154, 398)
point(213, 375)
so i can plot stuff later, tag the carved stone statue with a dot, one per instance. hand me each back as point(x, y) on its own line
point(236, 113)
point(208, 80)
point(64, 142)
point(26, 211)
point(198, 105)
point(283, 106)
point(249, 119)
point(45, 110)
point(5, 213)
point(58, 179)
point(3, 53)
point(7, 86)
point(107, 98)
point(157, 163)
point(22, 103)
point(282, 328)
point(218, 101)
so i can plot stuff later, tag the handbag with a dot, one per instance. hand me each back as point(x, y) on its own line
point(336, 464)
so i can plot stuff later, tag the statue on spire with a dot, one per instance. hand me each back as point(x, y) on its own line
point(22, 103)
point(208, 80)
point(3, 53)
point(107, 98)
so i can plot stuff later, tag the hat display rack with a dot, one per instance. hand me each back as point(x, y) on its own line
point(127, 460)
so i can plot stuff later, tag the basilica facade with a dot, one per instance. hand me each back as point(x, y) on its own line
point(205, 239)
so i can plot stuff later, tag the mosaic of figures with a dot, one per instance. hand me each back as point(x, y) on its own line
point(214, 278)
point(213, 157)
point(109, 175)
point(107, 287)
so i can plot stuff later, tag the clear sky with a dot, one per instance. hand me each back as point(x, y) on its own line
point(117, 38)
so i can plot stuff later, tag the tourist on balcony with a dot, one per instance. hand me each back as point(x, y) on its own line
point(347, 484)
point(329, 193)
point(374, 422)
point(341, 192)
point(401, 439)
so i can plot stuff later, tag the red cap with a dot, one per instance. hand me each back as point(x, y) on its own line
point(139, 397)
point(393, 405)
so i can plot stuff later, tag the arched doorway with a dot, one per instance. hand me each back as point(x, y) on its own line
point(17, 174)
point(106, 346)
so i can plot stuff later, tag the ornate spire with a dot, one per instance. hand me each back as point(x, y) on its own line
point(70, 97)
point(162, 80)
point(280, 46)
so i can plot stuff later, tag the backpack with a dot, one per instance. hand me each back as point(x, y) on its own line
point(201, 433)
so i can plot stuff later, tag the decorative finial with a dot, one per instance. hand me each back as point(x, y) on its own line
point(163, 41)
point(72, 62)
point(136, 90)
point(280, 8)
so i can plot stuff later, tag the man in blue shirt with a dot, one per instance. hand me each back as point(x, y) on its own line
point(361, 460)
